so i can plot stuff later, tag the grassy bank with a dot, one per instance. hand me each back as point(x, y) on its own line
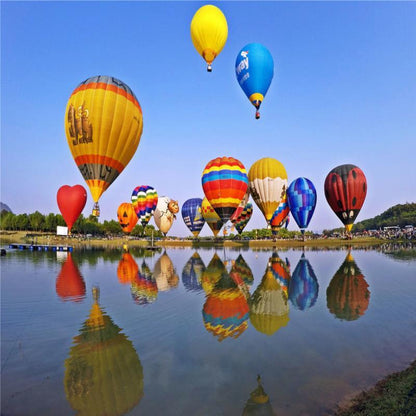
point(393, 396)
point(7, 237)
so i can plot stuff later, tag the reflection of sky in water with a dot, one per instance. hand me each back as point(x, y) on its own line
point(315, 356)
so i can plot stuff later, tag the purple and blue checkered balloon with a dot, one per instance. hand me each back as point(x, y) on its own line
point(301, 197)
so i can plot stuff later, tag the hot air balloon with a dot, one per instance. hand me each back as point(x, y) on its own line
point(254, 70)
point(268, 182)
point(144, 200)
point(102, 364)
point(165, 213)
point(211, 217)
point(69, 284)
point(225, 311)
point(347, 295)
point(280, 217)
point(209, 32)
point(303, 287)
point(127, 217)
point(269, 308)
point(241, 220)
point(345, 191)
point(224, 181)
point(71, 201)
point(127, 269)
point(192, 215)
point(103, 127)
point(192, 273)
point(143, 286)
point(165, 274)
point(301, 196)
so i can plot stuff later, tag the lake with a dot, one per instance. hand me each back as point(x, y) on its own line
point(202, 332)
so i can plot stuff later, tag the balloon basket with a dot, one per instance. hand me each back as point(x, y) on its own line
point(257, 115)
point(209, 68)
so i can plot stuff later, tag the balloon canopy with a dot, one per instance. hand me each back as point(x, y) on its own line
point(71, 201)
point(301, 196)
point(192, 215)
point(225, 183)
point(254, 69)
point(345, 191)
point(144, 200)
point(268, 182)
point(241, 220)
point(211, 217)
point(280, 217)
point(209, 32)
point(127, 217)
point(103, 126)
point(165, 213)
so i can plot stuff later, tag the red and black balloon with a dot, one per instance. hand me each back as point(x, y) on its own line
point(345, 191)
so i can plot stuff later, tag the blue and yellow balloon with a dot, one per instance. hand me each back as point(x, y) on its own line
point(254, 69)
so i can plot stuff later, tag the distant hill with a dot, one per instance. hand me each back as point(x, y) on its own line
point(4, 207)
point(401, 215)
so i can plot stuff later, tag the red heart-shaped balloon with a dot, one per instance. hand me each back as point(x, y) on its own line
point(71, 201)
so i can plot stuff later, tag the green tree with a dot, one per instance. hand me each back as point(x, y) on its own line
point(36, 221)
point(51, 222)
point(22, 221)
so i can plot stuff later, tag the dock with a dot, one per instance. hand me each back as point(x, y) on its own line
point(39, 247)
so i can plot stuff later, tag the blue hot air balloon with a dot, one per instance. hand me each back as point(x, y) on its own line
point(192, 215)
point(254, 71)
point(303, 286)
point(301, 196)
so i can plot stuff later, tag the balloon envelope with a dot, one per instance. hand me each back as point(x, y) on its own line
point(165, 213)
point(268, 182)
point(281, 216)
point(192, 215)
point(211, 217)
point(144, 199)
point(301, 196)
point(71, 201)
point(254, 69)
point(103, 126)
point(242, 219)
point(224, 181)
point(209, 32)
point(345, 191)
point(127, 217)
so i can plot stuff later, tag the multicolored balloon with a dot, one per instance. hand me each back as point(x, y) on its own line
point(103, 126)
point(280, 217)
point(71, 201)
point(241, 220)
point(303, 286)
point(254, 69)
point(211, 217)
point(127, 217)
point(144, 200)
point(225, 182)
point(209, 32)
point(345, 191)
point(165, 213)
point(268, 182)
point(192, 215)
point(301, 196)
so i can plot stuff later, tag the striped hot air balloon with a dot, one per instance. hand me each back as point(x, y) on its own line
point(241, 220)
point(225, 182)
point(211, 217)
point(144, 200)
point(103, 126)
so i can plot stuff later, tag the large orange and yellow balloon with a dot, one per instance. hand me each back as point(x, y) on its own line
point(103, 126)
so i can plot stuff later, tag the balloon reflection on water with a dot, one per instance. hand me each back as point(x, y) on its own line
point(165, 274)
point(143, 286)
point(269, 308)
point(127, 269)
point(225, 311)
point(192, 273)
point(103, 373)
point(259, 402)
point(347, 295)
point(303, 287)
point(281, 271)
point(69, 284)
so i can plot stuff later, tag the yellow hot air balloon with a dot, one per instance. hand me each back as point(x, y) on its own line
point(267, 179)
point(209, 31)
point(103, 126)
point(211, 217)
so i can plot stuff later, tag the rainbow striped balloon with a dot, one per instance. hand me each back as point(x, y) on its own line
point(225, 182)
point(144, 199)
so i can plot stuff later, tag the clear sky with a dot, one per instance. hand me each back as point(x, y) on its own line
point(344, 91)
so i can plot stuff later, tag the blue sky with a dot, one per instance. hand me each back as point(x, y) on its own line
point(344, 91)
